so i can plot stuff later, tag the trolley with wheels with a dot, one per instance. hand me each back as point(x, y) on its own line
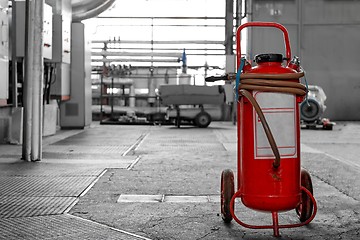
point(269, 174)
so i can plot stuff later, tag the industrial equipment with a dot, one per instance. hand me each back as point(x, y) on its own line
point(76, 112)
point(198, 105)
point(270, 177)
point(313, 108)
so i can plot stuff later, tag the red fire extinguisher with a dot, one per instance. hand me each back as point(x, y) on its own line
point(269, 176)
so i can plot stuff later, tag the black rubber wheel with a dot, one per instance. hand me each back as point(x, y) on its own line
point(227, 192)
point(202, 120)
point(305, 208)
point(328, 127)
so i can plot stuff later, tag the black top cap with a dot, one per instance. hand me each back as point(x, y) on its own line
point(269, 57)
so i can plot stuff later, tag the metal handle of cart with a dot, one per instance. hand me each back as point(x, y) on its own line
point(262, 24)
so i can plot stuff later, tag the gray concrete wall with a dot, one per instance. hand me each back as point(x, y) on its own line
point(325, 34)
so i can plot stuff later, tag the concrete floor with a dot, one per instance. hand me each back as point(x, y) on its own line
point(161, 182)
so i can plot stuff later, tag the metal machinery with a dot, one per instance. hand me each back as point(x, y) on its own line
point(56, 54)
point(119, 96)
point(12, 56)
point(312, 110)
point(76, 112)
point(58, 67)
point(269, 178)
point(21, 118)
point(198, 105)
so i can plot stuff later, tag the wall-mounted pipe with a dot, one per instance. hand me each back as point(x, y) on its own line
point(135, 60)
point(160, 42)
point(84, 9)
point(146, 54)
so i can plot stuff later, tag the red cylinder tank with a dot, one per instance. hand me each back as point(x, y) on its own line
point(264, 187)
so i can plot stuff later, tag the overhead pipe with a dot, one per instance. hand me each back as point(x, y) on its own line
point(85, 9)
point(155, 54)
point(169, 17)
point(163, 49)
point(159, 41)
point(134, 60)
point(98, 68)
point(85, 5)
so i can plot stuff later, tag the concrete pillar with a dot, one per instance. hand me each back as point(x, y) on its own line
point(229, 35)
point(229, 24)
point(38, 75)
point(27, 87)
point(33, 87)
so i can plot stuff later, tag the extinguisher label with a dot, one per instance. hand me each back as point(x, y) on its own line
point(279, 111)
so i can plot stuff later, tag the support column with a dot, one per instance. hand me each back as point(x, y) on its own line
point(38, 78)
point(28, 83)
point(229, 37)
point(33, 84)
point(229, 24)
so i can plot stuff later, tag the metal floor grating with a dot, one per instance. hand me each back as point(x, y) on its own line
point(15, 206)
point(59, 227)
point(85, 149)
point(45, 168)
point(35, 197)
point(44, 186)
point(89, 156)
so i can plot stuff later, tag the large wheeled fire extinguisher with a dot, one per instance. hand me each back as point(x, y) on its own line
point(269, 176)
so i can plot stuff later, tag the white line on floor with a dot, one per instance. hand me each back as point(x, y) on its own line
point(160, 198)
point(112, 228)
point(136, 144)
point(133, 163)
